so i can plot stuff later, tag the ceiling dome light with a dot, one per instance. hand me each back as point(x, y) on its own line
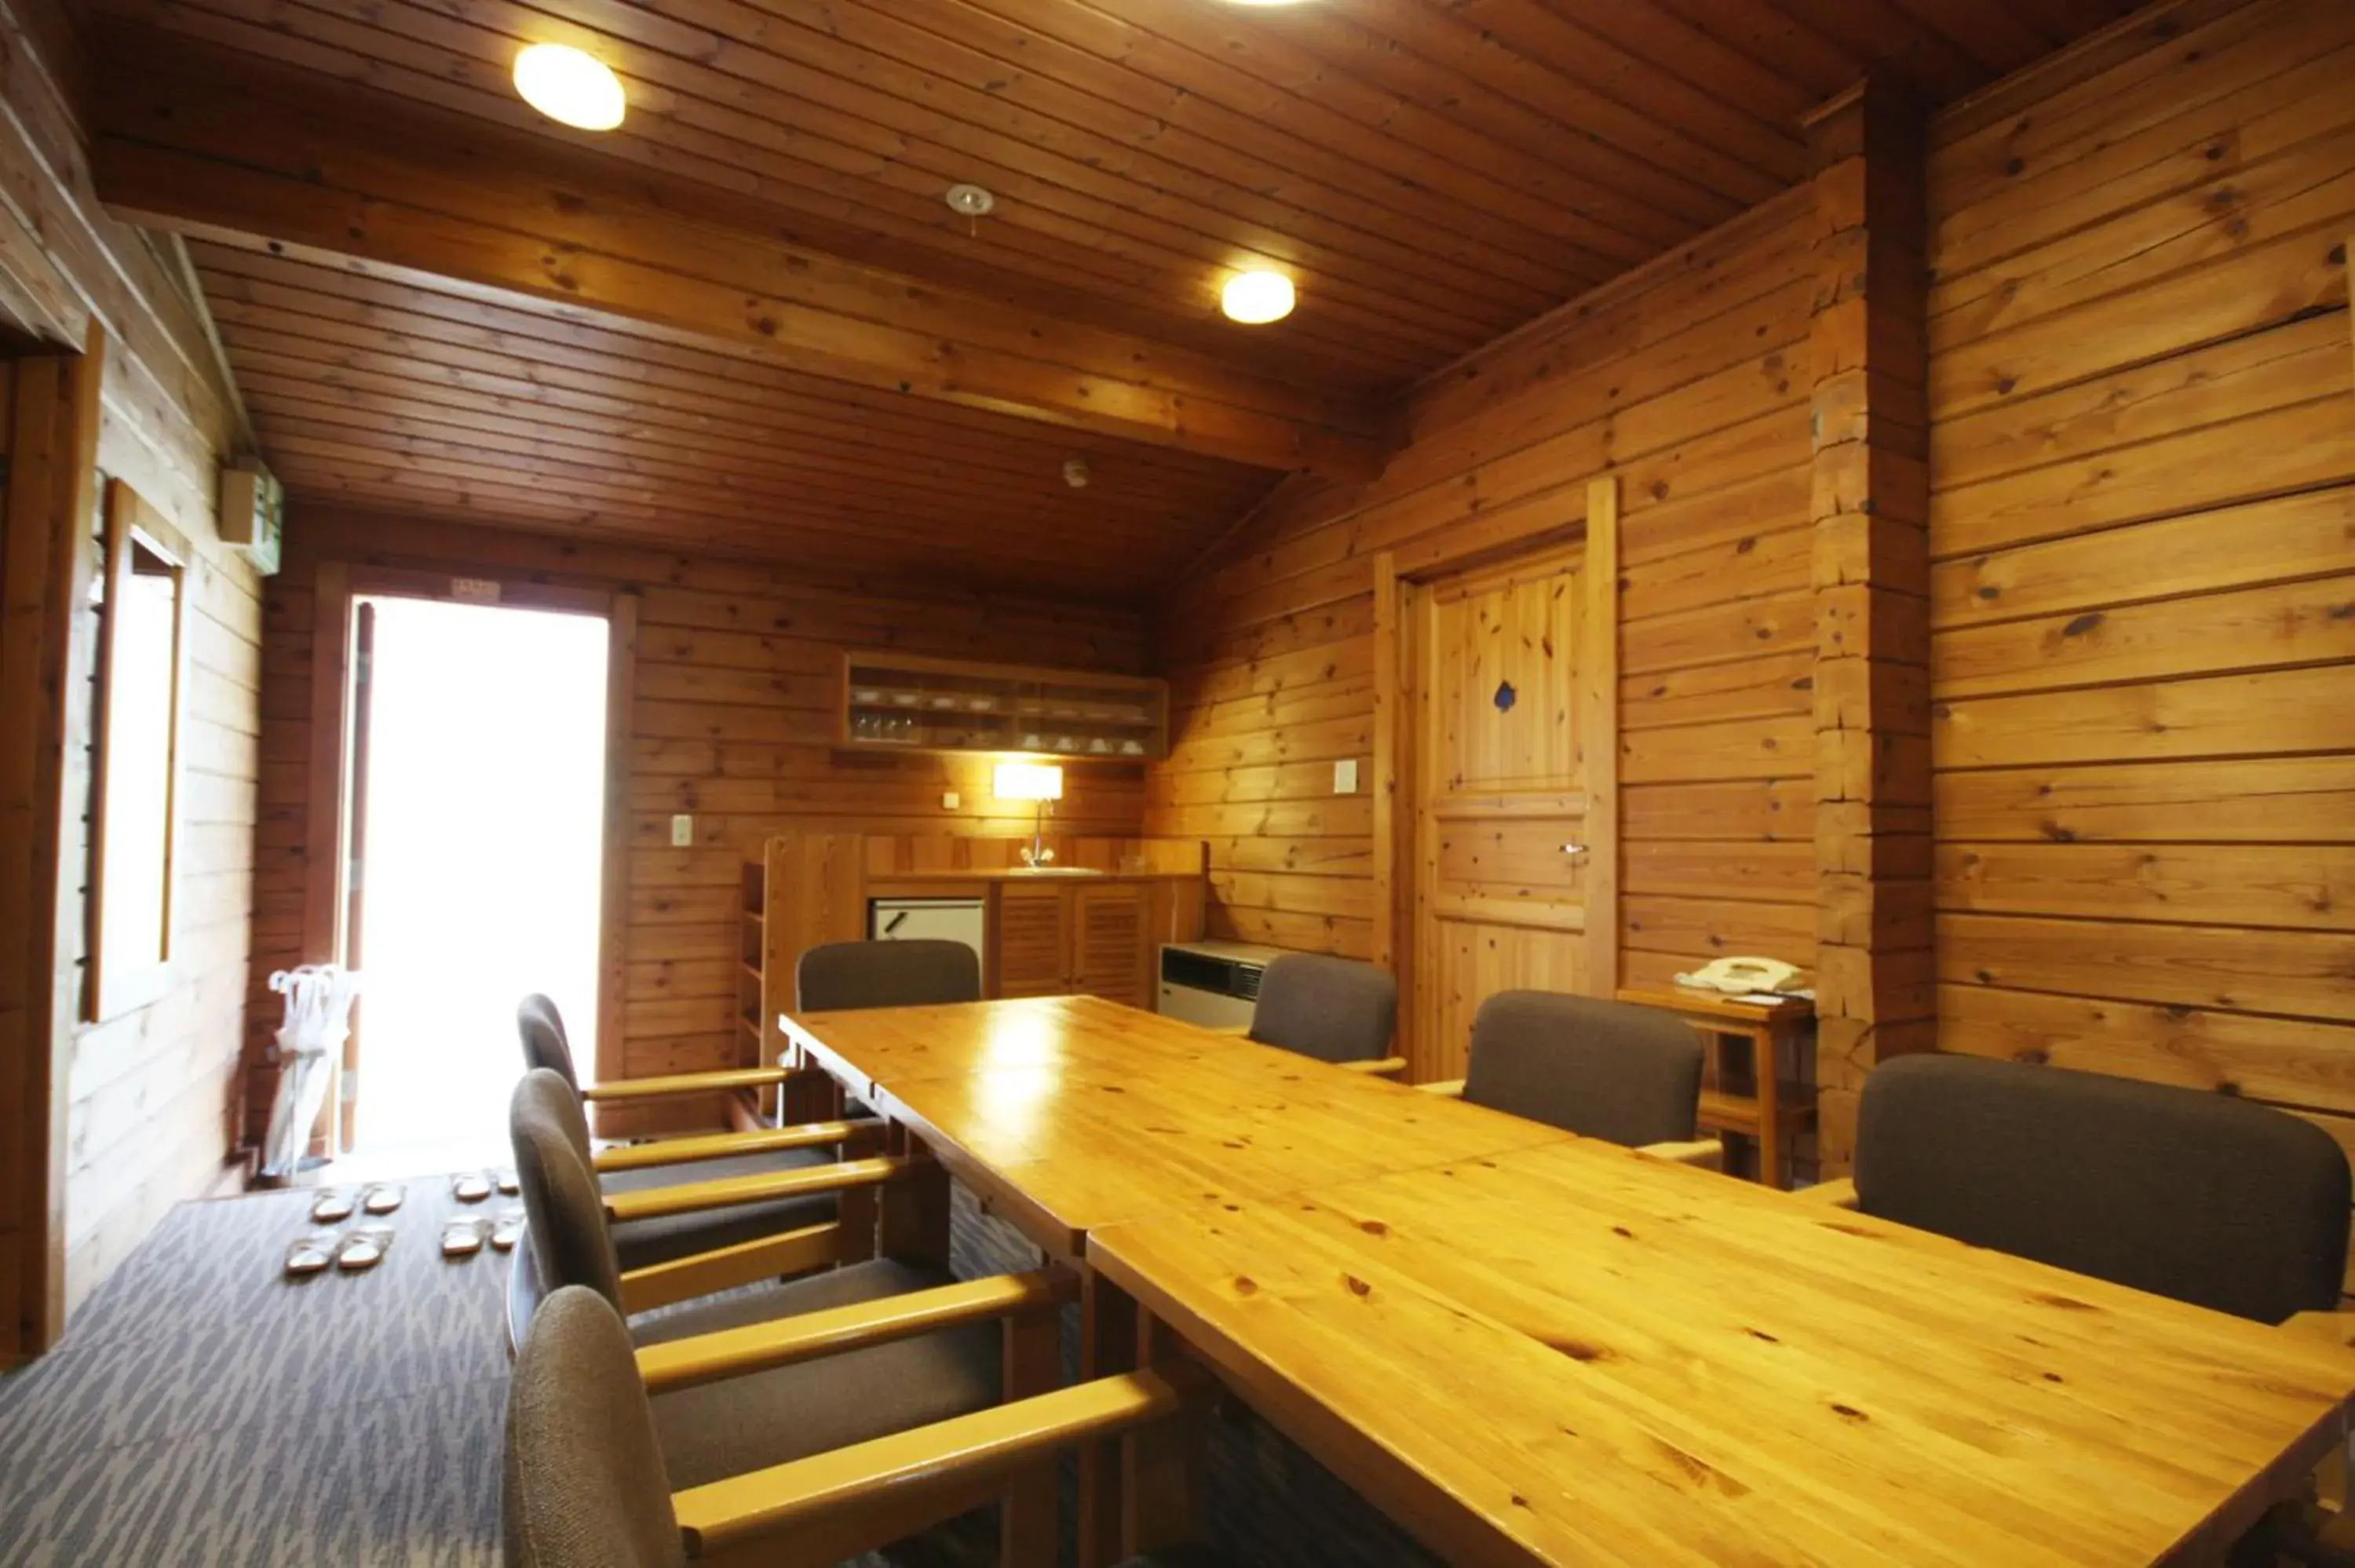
point(1256, 297)
point(570, 87)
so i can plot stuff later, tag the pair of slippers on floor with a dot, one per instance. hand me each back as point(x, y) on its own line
point(464, 1236)
point(474, 1186)
point(356, 1251)
point(334, 1205)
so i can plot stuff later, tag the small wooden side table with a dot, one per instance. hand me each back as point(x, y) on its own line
point(1750, 1046)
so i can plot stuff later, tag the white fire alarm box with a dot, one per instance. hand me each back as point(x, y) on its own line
point(253, 510)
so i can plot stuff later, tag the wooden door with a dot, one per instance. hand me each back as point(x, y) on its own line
point(1034, 940)
point(1511, 726)
point(1109, 935)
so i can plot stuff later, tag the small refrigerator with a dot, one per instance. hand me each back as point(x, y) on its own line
point(939, 920)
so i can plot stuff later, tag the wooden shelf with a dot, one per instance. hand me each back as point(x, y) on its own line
point(1723, 1112)
point(1718, 1005)
point(895, 702)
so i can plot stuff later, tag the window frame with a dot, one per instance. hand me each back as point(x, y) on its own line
point(114, 984)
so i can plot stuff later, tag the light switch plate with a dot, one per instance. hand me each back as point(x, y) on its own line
point(951, 800)
point(1345, 776)
point(682, 830)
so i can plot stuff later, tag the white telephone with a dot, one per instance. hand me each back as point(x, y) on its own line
point(1740, 976)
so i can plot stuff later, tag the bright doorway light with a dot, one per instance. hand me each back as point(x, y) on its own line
point(481, 829)
point(570, 86)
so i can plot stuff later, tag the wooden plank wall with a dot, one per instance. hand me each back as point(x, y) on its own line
point(736, 665)
point(2144, 537)
point(1688, 380)
point(153, 1091)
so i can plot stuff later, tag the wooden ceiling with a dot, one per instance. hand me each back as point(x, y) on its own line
point(1433, 175)
point(407, 398)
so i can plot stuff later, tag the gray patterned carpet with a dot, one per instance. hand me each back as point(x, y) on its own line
point(205, 1412)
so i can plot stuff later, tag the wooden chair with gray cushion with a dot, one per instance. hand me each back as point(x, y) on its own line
point(669, 1240)
point(594, 1478)
point(706, 1156)
point(1336, 1010)
point(2178, 1192)
point(1590, 1065)
point(839, 977)
point(923, 1347)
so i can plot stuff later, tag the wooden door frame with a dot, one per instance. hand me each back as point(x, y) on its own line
point(335, 584)
point(1398, 580)
point(51, 498)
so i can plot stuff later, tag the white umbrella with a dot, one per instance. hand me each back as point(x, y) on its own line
point(318, 1018)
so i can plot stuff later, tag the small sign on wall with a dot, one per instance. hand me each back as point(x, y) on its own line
point(474, 590)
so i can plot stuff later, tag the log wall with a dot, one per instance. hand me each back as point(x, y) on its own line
point(1688, 380)
point(736, 670)
point(2143, 589)
point(152, 1092)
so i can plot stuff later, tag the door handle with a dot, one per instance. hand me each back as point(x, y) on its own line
point(1573, 849)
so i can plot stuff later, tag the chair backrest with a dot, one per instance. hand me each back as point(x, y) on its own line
point(564, 1209)
point(841, 976)
point(1336, 1010)
point(545, 1043)
point(1587, 1065)
point(585, 1483)
point(2178, 1192)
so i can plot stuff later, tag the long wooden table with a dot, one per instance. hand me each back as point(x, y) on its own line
point(1068, 1114)
point(1534, 1348)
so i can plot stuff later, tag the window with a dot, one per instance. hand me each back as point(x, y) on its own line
point(135, 782)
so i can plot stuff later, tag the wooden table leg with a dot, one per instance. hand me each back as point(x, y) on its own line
point(1108, 1328)
point(1161, 1481)
point(1763, 1056)
point(1027, 1532)
point(913, 1224)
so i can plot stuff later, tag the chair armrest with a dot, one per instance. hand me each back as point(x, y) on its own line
point(1701, 1153)
point(1839, 1193)
point(684, 1083)
point(753, 1262)
point(1376, 1067)
point(694, 1197)
point(805, 1336)
point(1450, 1088)
point(727, 1144)
point(888, 1478)
point(2336, 1327)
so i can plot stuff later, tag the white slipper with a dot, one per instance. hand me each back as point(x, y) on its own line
point(363, 1248)
point(333, 1207)
point(462, 1237)
point(506, 1231)
point(472, 1187)
point(307, 1255)
point(382, 1197)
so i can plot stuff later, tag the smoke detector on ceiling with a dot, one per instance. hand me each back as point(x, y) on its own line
point(971, 201)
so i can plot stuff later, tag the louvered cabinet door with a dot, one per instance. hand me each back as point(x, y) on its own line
point(1111, 956)
point(1034, 941)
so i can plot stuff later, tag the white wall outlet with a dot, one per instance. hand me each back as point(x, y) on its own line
point(1345, 776)
point(682, 830)
point(951, 800)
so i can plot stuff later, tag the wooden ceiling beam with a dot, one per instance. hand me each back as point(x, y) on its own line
point(232, 149)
